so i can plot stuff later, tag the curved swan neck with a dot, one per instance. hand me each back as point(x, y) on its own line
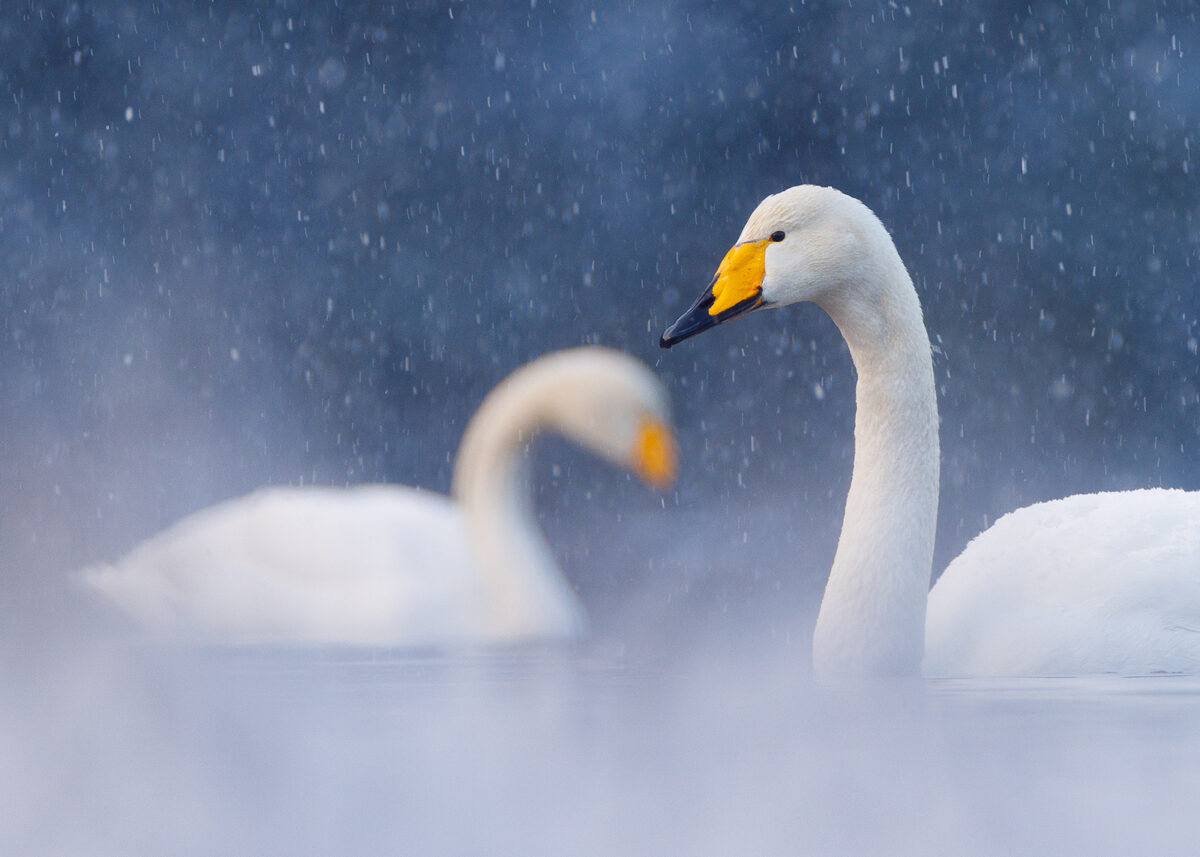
point(489, 460)
point(872, 618)
point(491, 486)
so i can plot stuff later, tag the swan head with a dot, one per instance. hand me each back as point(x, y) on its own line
point(606, 401)
point(806, 243)
point(614, 406)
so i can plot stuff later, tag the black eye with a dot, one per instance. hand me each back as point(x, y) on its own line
point(777, 236)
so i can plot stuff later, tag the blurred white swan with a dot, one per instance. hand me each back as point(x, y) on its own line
point(393, 565)
point(1087, 584)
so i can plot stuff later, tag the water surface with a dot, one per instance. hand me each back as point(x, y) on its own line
point(132, 748)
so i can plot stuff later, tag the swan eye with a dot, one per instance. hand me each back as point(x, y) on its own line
point(777, 236)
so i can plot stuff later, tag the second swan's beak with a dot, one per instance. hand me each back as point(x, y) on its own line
point(654, 458)
point(735, 290)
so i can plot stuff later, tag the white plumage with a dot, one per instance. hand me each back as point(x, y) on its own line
point(393, 565)
point(1088, 584)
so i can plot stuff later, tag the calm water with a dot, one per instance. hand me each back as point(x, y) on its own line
point(125, 749)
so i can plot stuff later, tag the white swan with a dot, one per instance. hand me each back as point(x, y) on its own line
point(393, 565)
point(1087, 584)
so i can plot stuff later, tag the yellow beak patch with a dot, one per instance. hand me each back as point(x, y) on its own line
point(740, 275)
point(654, 457)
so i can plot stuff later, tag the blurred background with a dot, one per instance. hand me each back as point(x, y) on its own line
point(297, 244)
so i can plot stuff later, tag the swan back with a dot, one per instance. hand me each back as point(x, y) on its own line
point(1090, 583)
point(372, 565)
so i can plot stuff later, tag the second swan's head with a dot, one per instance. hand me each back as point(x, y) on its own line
point(607, 401)
point(806, 243)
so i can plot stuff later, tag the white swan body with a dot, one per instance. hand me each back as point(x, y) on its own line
point(1024, 598)
point(1117, 584)
point(374, 564)
point(393, 565)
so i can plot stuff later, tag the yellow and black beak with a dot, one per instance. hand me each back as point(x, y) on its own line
point(735, 290)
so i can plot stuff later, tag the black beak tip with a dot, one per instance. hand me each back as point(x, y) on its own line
point(697, 319)
point(685, 328)
point(690, 323)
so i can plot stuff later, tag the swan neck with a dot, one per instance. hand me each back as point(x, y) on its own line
point(872, 617)
point(491, 486)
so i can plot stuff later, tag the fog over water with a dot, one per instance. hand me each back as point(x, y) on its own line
point(298, 244)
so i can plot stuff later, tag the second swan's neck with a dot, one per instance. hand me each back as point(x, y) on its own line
point(526, 593)
point(872, 617)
